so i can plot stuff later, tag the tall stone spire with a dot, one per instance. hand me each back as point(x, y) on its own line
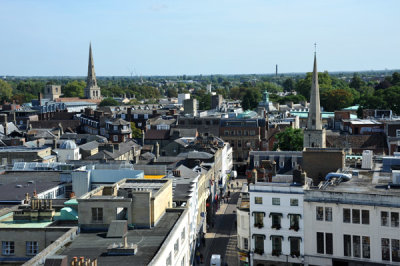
point(92, 91)
point(314, 114)
point(91, 77)
point(314, 134)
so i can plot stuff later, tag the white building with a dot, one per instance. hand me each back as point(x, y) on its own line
point(182, 97)
point(68, 151)
point(276, 223)
point(243, 225)
point(354, 222)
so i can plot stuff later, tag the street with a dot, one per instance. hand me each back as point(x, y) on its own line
point(222, 239)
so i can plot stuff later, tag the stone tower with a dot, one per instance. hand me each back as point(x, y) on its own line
point(314, 134)
point(92, 91)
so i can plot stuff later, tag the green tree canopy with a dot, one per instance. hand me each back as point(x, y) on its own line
point(289, 140)
point(356, 82)
point(108, 102)
point(5, 91)
point(289, 84)
point(303, 86)
point(74, 89)
point(251, 99)
point(136, 132)
point(336, 99)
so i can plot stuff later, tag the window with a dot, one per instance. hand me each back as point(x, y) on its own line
point(135, 116)
point(366, 247)
point(394, 217)
point(276, 220)
point(183, 261)
point(294, 202)
point(329, 243)
point(146, 116)
point(239, 132)
point(397, 132)
point(320, 213)
point(258, 200)
point(245, 133)
point(32, 248)
point(97, 214)
point(328, 214)
point(176, 246)
point(115, 128)
point(226, 133)
point(320, 242)
point(259, 219)
point(294, 222)
point(356, 246)
point(252, 132)
point(365, 216)
point(8, 247)
point(183, 234)
point(276, 245)
point(294, 246)
point(356, 216)
point(259, 244)
point(347, 245)
point(245, 243)
point(168, 262)
point(385, 249)
point(115, 138)
point(276, 201)
point(395, 250)
point(384, 219)
point(346, 215)
point(239, 143)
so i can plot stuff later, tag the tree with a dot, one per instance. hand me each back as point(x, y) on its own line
point(289, 84)
point(303, 86)
point(289, 140)
point(336, 99)
point(356, 82)
point(108, 102)
point(172, 92)
point(251, 99)
point(74, 89)
point(396, 78)
point(5, 91)
point(136, 132)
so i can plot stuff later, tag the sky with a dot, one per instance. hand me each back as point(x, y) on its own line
point(189, 37)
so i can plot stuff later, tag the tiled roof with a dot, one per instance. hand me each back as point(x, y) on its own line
point(153, 134)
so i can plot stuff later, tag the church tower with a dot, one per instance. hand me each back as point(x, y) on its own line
point(314, 134)
point(92, 91)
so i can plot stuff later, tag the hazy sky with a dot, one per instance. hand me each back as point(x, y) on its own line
point(169, 37)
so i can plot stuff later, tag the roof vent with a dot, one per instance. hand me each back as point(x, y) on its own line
point(18, 186)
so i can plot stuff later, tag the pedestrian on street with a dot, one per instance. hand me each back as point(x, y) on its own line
point(237, 184)
point(198, 257)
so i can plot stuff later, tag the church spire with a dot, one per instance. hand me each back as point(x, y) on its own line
point(92, 91)
point(314, 114)
point(91, 77)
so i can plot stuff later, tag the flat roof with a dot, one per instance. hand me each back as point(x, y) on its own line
point(14, 185)
point(7, 221)
point(149, 241)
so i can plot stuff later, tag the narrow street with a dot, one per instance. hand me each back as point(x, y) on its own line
point(222, 239)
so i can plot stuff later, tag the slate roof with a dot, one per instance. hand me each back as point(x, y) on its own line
point(89, 146)
point(366, 142)
point(184, 132)
point(153, 134)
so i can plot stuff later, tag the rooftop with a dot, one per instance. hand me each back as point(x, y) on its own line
point(14, 185)
point(149, 241)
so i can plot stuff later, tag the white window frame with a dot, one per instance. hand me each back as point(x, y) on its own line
point(115, 137)
point(6, 248)
point(32, 248)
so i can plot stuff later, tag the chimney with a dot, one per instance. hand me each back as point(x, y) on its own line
point(26, 198)
point(81, 261)
point(40, 98)
point(74, 261)
point(37, 143)
point(54, 144)
point(125, 241)
point(157, 150)
point(129, 114)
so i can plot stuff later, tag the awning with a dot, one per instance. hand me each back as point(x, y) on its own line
point(271, 236)
point(275, 213)
point(293, 214)
point(252, 214)
point(257, 235)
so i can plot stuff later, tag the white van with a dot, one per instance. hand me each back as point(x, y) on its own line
point(215, 260)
